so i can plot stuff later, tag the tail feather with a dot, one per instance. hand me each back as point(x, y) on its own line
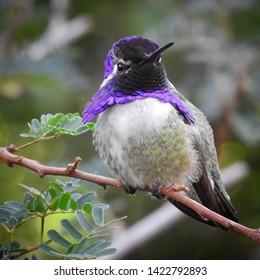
point(188, 211)
point(227, 207)
point(211, 197)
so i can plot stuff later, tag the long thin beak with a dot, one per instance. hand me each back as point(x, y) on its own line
point(156, 53)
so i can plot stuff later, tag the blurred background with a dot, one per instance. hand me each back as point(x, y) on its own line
point(51, 60)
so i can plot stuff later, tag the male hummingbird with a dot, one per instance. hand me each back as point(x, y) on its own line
point(150, 135)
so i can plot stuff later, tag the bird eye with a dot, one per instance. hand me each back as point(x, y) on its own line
point(120, 67)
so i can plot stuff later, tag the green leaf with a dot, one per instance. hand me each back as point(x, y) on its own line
point(73, 204)
point(72, 256)
point(83, 221)
point(40, 204)
point(14, 204)
point(72, 126)
point(54, 204)
point(76, 196)
point(12, 222)
point(36, 126)
point(87, 207)
point(64, 201)
point(52, 252)
point(27, 198)
point(97, 246)
point(3, 220)
point(91, 126)
point(22, 214)
point(53, 121)
point(71, 229)
point(70, 186)
point(102, 205)
point(52, 192)
point(58, 239)
point(81, 245)
point(87, 197)
point(27, 135)
point(98, 215)
point(30, 189)
point(82, 130)
point(48, 250)
point(57, 186)
point(109, 251)
point(5, 213)
point(69, 124)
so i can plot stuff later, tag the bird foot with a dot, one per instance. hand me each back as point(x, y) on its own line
point(177, 188)
point(129, 189)
point(157, 193)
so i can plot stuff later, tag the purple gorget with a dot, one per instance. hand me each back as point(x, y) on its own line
point(106, 97)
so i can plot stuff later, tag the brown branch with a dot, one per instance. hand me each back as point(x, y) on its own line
point(207, 214)
point(30, 249)
point(6, 154)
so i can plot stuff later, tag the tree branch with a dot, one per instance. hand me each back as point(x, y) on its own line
point(207, 214)
point(6, 154)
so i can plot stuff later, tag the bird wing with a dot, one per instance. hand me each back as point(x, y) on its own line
point(209, 188)
point(210, 192)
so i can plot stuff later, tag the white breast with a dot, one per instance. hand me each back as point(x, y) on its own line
point(139, 116)
point(120, 124)
point(123, 129)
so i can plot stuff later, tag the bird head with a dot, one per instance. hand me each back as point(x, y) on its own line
point(134, 64)
point(133, 71)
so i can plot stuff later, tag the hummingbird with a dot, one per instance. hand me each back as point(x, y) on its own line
point(149, 135)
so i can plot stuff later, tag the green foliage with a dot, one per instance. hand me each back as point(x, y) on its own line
point(11, 250)
point(50, 126)
point(82, 239)
point(59, 197)
point(82, 247)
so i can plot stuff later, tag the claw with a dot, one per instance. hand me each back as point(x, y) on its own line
point(129, 189)
point(157, 193)
point(179, 188)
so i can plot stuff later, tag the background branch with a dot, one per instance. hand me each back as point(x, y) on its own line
point(59, 33)
point(71, 171)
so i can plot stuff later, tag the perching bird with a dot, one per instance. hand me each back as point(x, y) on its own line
point(150, 135)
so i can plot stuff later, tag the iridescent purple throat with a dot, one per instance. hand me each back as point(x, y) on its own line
point(106, 97)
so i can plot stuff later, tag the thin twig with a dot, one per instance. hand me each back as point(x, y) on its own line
point(43, 170)
point(30, 249)
point(169, 191)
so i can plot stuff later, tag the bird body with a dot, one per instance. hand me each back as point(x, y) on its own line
point(163, 157)
point(149, 135)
